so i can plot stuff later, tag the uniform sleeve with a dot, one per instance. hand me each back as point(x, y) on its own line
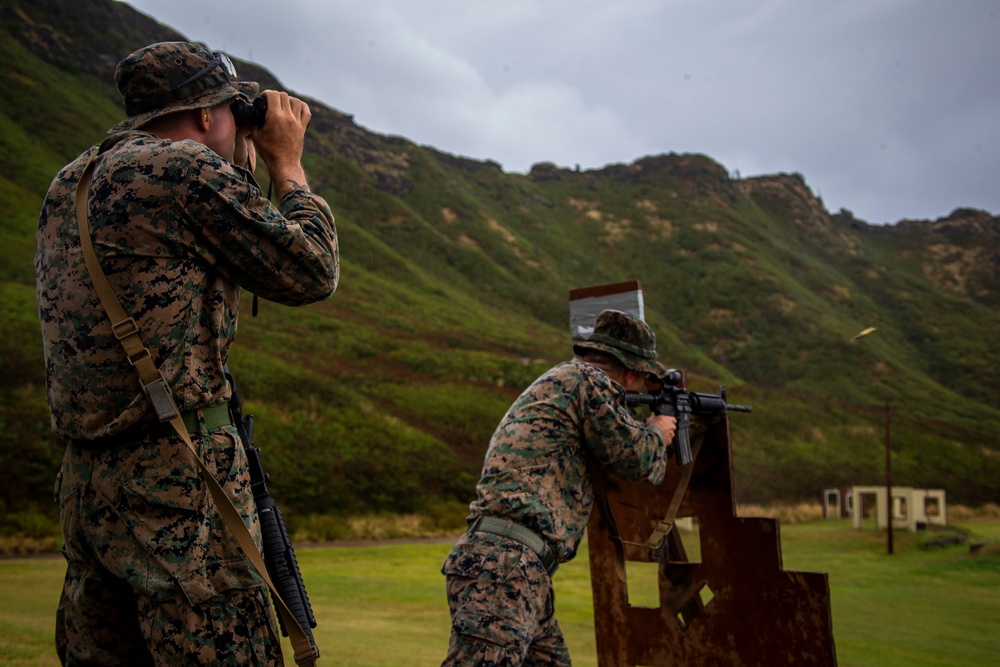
point(624, 446)
point(287, 253)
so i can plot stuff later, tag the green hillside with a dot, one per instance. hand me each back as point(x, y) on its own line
point(455, 279)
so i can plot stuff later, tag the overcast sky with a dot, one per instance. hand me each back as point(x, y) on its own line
point(889, 108)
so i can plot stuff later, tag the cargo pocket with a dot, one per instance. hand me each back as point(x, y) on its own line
point(168, 524)
point(487, 592)
point(234, 627)
point(486, 638)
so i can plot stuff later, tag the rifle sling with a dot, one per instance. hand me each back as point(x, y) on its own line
point(659, 534)
point(159, 394)
point(656, 539)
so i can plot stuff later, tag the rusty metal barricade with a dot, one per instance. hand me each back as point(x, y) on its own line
point(735, 607)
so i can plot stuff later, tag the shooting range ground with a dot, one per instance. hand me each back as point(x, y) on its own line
point(385, 605)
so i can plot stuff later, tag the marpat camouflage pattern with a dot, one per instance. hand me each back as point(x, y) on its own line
point(536, 466)
point(178, 230)
point(153, 574)
point(143, 541)
point(536, 474)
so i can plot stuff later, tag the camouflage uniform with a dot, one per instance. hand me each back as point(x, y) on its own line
point(153, 575)
point(536, 475)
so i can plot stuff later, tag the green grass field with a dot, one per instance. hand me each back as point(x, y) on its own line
point(384, 605)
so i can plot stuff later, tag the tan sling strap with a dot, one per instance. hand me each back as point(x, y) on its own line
point(659, 534)
point(656, 539)
point(159, 394)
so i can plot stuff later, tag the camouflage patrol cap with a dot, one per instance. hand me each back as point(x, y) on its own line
point(627, 338)
point(168, 77)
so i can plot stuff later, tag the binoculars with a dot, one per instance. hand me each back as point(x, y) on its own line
point(250, 113)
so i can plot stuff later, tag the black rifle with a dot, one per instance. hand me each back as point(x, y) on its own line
point(279, 556)
point(672, 401)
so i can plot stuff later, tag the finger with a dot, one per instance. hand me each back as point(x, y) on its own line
point(286, 102)
point(277, 100)
point(299, 108)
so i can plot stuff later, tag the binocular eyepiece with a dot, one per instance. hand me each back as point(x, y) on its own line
point(250, 113)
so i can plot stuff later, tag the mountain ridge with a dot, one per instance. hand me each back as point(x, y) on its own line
point(455, 276)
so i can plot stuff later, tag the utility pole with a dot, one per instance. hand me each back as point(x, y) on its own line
point(888, 472)
point(888, 458)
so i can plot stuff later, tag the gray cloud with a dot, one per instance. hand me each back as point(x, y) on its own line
point(887, 108)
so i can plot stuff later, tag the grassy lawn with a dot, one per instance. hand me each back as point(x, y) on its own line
point(385, 606)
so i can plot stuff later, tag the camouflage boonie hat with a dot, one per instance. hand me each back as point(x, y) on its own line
point(626, 337)
point(175, 76)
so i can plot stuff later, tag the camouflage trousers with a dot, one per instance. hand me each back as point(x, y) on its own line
point(153, 575)
point(502, 606)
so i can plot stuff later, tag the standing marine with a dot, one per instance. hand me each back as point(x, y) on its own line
point(179, 225)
